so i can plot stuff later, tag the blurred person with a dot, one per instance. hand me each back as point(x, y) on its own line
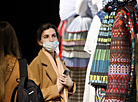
point(9, 66)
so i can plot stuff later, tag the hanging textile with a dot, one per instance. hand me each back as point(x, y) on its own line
point(90, 45)
point(100, 64)
point(74, 54)
point(73, 43)
point(121, 75)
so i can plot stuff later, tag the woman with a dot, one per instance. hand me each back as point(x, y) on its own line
point(9, 65)
point(48, 68)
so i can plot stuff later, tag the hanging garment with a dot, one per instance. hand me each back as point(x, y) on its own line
point(121, 75)
point(73, 36)
point(74, 54)
point(100, 64)
point(62, 31)
point(90, 46)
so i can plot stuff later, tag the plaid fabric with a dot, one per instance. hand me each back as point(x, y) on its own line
point(78, 76)
point(100, 64)
point(121, 76)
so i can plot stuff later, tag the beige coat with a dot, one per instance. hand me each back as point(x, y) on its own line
point(47, 78)
point(11, 75)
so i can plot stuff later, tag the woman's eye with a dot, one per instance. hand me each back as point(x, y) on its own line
point(45, 36)
point(54, 35)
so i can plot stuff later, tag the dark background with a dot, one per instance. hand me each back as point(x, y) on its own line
point(26, 16)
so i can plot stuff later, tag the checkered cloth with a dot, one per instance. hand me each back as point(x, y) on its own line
point(78, 76)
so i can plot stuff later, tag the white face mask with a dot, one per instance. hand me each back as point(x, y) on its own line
point(50, 46)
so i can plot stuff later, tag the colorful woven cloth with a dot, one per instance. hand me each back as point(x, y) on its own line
point(100, 64)
point(121, 76)
point(90, 47)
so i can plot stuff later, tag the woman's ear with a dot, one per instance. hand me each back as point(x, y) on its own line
point(40, 43)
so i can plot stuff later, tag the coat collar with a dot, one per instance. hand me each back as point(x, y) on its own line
point(43, 58)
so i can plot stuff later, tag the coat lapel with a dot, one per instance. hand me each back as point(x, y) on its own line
point(47, 67)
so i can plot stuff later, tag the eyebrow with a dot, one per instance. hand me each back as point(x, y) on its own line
point(48, 34)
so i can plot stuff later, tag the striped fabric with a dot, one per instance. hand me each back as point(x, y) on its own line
point(76, 62)
point(74, 43)
point(100, 64)
point(73, 48)
point(75, 54)
point(62, 31)
point(89, 92)
point(75, 36)
point(121, 76)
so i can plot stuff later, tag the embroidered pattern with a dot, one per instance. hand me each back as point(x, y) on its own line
point(11, 63)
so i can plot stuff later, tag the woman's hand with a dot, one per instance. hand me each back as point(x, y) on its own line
point(59, 85)
point(66, 80)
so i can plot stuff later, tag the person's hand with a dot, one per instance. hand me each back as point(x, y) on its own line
point(66, 80)
point(59, 85)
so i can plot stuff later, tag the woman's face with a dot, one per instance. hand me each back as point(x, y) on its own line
point(48, 35)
